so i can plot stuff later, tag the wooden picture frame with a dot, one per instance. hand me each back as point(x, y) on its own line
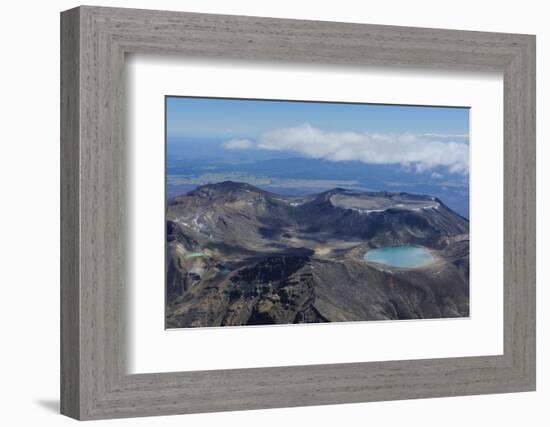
point(94, 382)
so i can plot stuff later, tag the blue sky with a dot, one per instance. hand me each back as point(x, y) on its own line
point(417, 137)
point(230, 118)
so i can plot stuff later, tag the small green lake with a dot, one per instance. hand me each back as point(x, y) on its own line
point(400, 256)
point(194, 254)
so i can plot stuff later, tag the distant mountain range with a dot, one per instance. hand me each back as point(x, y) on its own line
point(240, 255)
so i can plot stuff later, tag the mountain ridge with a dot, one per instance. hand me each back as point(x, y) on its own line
point(222, 236)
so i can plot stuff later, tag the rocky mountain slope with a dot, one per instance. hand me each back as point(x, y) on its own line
point(238, 255)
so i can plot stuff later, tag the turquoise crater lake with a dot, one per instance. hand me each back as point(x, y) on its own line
point(400, 256)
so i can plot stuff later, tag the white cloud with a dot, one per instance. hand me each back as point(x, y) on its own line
point(238, 144)
point(417, 152)
point(421, 152)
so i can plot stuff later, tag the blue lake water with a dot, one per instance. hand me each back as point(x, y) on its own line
point(400, 256)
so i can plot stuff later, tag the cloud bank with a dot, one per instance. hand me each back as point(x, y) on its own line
point(422, 152)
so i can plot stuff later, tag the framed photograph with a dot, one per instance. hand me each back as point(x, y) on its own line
point(262, 213)
point(271, 215)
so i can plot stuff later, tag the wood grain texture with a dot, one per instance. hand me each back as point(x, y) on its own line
point(70, 315)
point(94, 271)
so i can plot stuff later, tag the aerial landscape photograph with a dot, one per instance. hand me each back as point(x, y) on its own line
point(290, 212)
